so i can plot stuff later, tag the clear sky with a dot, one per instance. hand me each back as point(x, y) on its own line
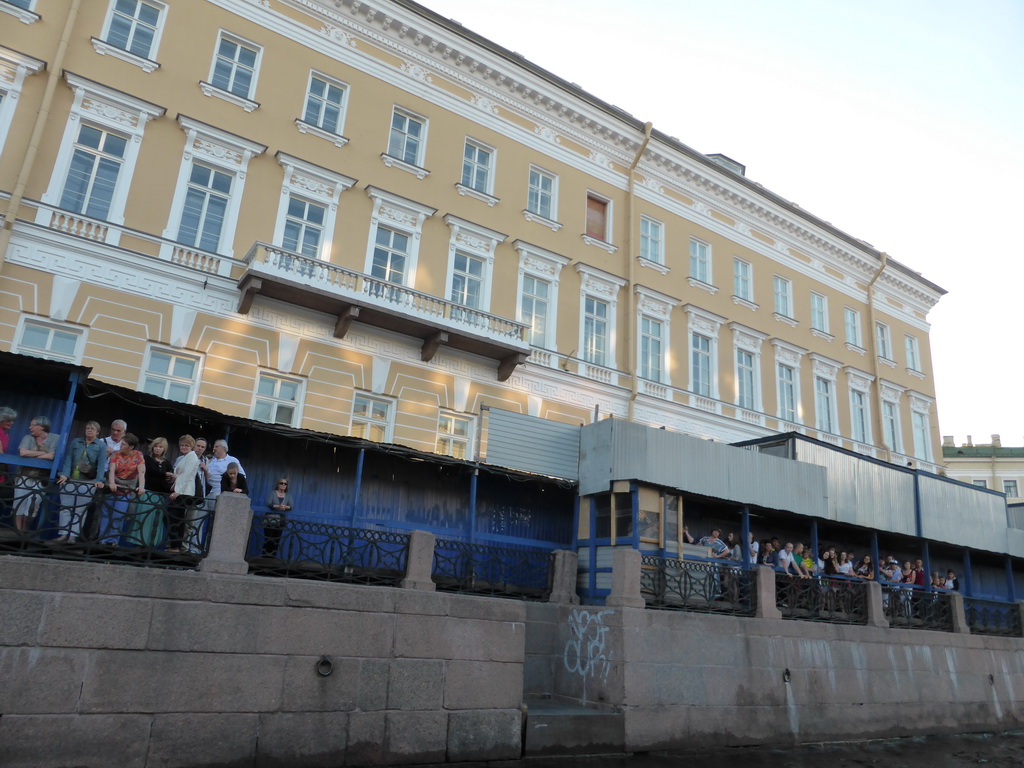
point(899, 121)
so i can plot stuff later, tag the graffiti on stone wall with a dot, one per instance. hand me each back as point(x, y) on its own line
point(586, 653)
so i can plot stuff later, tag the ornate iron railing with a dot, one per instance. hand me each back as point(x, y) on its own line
point(910, 607)
point(308, 550)
point(77, 521)
point(490, 569)
point(835, 599)
point(696, 585)
point(992, 617)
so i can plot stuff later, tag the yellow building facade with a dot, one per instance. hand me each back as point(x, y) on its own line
point(361, 218)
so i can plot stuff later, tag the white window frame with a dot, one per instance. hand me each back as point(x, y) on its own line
point(246, 101)
point(921, 425)
point(551, 220)
point(316, 129)
point(883, 342)
point(913, 352)
point(790, 414)
point(24, 15)
point(172, 353)
point(468, 440)
point(706, 324)
point(314, 184)
point(852, 329)
point(892, 427)
point(747, 341)
point(859, 383)
point(980, 483)
point(1006, 489)
point(743, 281)
point(655, 307)
point(477, 242)
point(652, 240)
point(819, 314)
point(108, 110)
point(700, 261)
point(604, 287)
point(473, 166)
point(296, 404)
point(604, 243)
point(826, 370)
point(388, 423)
point(544, 265)
point(401, 215)
point(415, 166)
point(51, 327)
point(782, 297)
point(148, 63)
point(222, 151)
point(98, 156)
point(790, 356)
point(14, 68)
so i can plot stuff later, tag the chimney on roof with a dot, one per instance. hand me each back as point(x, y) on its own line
point(996, 442)
point(969, 443)
point(947, 441)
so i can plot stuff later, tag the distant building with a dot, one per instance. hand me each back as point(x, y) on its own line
point(986, 465)
point(361, 218)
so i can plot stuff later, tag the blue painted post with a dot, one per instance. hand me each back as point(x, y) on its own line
point(65, 425)
point(592, 581)
point(875, 556)
point(1011, 590)
point(814, 540)
point(745, 535)
point(917, 503)
point(472, 504)
point(968, 586)
point(927, 557)
point(360, 459)
point(634, 512)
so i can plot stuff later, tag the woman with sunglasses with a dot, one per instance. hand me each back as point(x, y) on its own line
point(279, 501)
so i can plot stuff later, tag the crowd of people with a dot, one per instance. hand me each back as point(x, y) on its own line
point(115, 492)
point(798, 560)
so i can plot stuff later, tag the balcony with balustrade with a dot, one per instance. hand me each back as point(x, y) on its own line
point(351, 296)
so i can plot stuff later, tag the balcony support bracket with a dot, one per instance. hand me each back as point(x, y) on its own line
point(249, 287)
point(345, 318)
point(509, 364)
point(430, 345)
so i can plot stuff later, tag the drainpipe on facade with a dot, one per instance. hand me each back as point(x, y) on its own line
point(52, 79)
point(631, 275)
point(873, 335)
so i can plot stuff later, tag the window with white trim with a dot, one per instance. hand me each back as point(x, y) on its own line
point(851, 325)
point(747, 344)
point(783, 294)
point(541, 194)
point(455, 435)
point(235, 66)
point(598, 308)
point(595, 331)
point(654, 311)
point(135, 26)
point(891, 433)
point(539, 270)
point(26, 4)
point(819, 312)
point(651, 348)
point(913, 352)
point(746, 378)
point(304, 227)
point(786, 382)
point(700, 365)
point(742, 280)
point(372, 418)
point(824, 404)
point(408, 135)
point(468, 280)
point(598, 223)
point(14, 68)
point(277, 399)
point(50, 340)
point(700, 261)
point(96, 162)
point(884, 341)
point(979, 483)
point(308, 207)
point(207, 197)
point(170, 375)
point(1010, 488)
point(477, 167)
point(920, 426)
point(652, 245)
point(703, 328)
point(325, 103)
point(533, 309)
point(393, 247)
point(470, 264)
point(859, 420)
point(390, 256)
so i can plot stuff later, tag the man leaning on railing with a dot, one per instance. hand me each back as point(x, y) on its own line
point(40, 444)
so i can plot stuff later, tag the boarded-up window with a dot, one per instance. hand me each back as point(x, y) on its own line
point(597, 217)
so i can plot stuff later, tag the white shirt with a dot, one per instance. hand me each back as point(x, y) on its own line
point(217, 468)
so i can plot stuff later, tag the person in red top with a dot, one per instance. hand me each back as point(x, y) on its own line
point(126, 478)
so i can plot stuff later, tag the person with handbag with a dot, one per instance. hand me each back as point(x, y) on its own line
point(85, 465)
point(126, 478)
point(279, 501)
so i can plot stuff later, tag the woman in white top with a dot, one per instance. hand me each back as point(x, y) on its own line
point(844, 567)
point(183, 492)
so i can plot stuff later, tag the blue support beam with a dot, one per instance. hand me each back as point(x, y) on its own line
point(745, 535)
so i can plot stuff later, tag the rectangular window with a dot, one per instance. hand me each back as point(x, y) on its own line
point(92, 177)
point(26, 4)
point(467, 280)
point(595, 331)
point(304, 227)
point(476, 167)
point(884, 342)
point(597, 218)
point(1010, 488)
point(651, 246)
point(980, 483)
point(134, 26)
point(819, 312)
point(700, 364)
point(234, 67)
point(745, 379)
point(535, 309)
point(540, 198)
point(277, 400)
point(824, 412)
point(52, 342)
point(700, 261)
point(891, 427)
point(913, 353)
point(922, 445)
point(787, 392)
point(742, 287)
point(371, 418)
point(407, 136)
point(859, 416)
point(170, 375)
point(783, 297)
point(206, 201)
point(325, 104)
point(650, 349)
point(390, 256)
point(851, 322)
point(455, 435)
